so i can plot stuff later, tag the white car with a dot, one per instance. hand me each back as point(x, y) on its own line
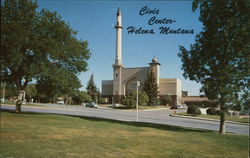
point(185, 106)
point(60, 102)
point(179, 107)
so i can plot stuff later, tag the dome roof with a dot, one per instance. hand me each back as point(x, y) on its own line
point(154, 60)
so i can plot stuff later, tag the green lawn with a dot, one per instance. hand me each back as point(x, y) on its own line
point(228, 118)
point(57, 136)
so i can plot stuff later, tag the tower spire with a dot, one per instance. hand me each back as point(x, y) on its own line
point(118, 12)
point(117, 67)
point(118, 27)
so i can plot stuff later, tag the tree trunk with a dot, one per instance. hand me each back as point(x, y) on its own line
point(222, 122)
point(222, 116)
point(19, 101)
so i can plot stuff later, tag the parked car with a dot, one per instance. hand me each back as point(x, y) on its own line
point(91, 105)
point(185, 106)
point(179, 107)
point(60, 102)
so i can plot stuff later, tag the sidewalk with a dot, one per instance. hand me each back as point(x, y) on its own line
point(207, 119)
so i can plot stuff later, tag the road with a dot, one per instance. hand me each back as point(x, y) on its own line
point(159, 116)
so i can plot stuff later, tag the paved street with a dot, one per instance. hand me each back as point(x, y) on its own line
point(159, 116)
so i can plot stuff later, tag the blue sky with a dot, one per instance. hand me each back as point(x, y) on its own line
point(95, 20)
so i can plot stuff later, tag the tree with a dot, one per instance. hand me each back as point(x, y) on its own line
point(62, 83)
point(150, 86)
point(166, 100)
point(81, 97)
point(143, 98)
point(91, 88)
point(219, 59)
point(34, 45)
point(10, 90)
point(31, 92)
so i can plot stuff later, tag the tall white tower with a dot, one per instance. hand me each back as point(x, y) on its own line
point(117, 67)
point(118, 27)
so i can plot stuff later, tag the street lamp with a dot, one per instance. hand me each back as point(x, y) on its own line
point(137, 85)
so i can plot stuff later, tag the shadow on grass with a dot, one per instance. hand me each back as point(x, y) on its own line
point(146, 124)
point(131, 123)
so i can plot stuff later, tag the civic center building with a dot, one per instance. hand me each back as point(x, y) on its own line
point(125, 79)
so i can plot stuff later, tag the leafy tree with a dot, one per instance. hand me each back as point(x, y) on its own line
point(219, 59)
point(150, 86)
point(10, 90)
point(31, 92)
point(81, 97)
point(34, 45)
point(62, 83)
point(91, 88)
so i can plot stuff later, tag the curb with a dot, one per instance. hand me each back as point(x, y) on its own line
point(207, 119)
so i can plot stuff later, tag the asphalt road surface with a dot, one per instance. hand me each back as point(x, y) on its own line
point(159, 116)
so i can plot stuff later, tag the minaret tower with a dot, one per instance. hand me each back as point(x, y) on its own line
point(117, 67)
point(118, 27)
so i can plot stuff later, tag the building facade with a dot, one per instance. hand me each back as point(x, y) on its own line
point(125, 79)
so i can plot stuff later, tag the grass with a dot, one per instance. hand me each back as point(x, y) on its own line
point(228, 118)
point(30, 135)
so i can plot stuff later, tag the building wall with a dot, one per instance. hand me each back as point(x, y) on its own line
point(117, 77)
point(171, 87)
point(107, 87)
point(156, 70)
point(179, 92)
point(167, 86)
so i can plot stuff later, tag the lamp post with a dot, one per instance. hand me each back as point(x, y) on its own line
point(137, 85)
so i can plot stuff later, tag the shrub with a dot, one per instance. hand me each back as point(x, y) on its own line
point(81, 97)
point(130, 101)
point(193, 110)
point(102, 101)
point(212, 111)
point(157, 101)
point(143, 98)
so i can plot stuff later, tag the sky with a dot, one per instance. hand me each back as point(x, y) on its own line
point(95, 21)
